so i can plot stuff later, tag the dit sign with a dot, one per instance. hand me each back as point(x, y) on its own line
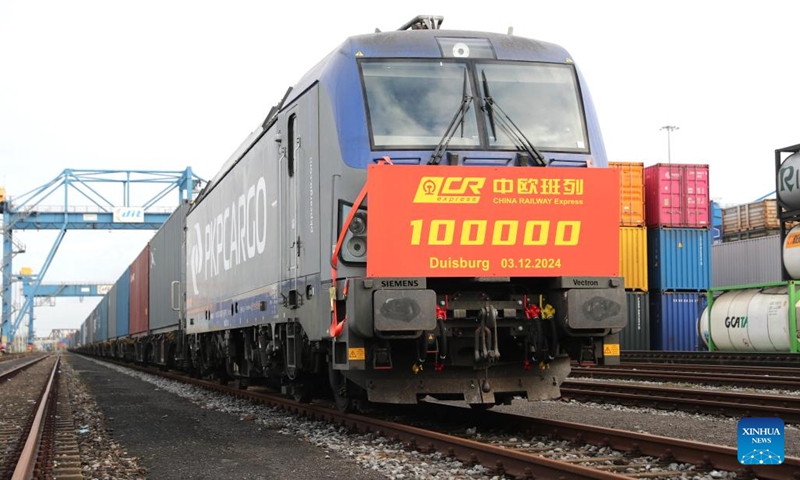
point(128, 215)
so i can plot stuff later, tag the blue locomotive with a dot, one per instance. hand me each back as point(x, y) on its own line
point(396, 228)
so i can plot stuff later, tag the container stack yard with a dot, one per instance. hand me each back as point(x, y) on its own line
point(679, 252)
point(757, 265)
point(633, 255)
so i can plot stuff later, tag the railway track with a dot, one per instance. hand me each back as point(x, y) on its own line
point(635, 457)
point(37, 438)
point(22, 388)
point(696, 367)
point(746, 377)
point(713, 402)
point(17, 364)
point(704, 456)
point(692, 400)
point(11, 356)
point(763, 359)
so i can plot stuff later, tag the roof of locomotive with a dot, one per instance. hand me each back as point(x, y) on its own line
point(424, 44)
point(411, 43)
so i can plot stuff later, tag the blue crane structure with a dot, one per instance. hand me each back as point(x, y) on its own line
point(56, 290)
point(60, 289)
point(764, 197)
point(27, 212)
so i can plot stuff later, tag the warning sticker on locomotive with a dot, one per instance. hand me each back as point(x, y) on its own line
point(356, 354)
point(611, 350)
point(442, 221)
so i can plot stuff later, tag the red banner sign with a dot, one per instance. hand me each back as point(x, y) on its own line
point(442, 221)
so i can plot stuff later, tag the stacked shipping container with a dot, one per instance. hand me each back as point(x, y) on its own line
point(633, 255)
point(751, 247)
point(753, 220)
point(716, 222)
point(745, 262)
point(679, 252)
point(676, 195)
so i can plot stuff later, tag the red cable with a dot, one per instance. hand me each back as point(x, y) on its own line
point(336, 326)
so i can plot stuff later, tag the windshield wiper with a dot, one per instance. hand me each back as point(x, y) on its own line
point(458, 120)
point(507, 125)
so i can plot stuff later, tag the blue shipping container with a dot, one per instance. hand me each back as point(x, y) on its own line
point(716, 222)
point(123, 288)
point(112, 312)
point(679, 258)
point(673, 320)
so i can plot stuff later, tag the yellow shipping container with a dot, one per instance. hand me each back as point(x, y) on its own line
point(633, 257)
point(631, 194)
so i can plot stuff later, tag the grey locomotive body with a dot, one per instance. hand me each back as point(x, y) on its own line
point(276, 285)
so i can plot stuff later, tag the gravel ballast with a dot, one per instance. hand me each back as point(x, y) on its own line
point(698, 428)
point(199, 434)
point(174, 439)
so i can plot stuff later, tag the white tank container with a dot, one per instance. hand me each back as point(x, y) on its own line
point(789, 182)
point(791, 252)
point(702, 327)
point(749, 320)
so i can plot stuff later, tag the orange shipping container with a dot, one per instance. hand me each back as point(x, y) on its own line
point(633, 257)
point(631, 195)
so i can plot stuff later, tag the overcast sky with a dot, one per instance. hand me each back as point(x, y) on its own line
point(169, 84)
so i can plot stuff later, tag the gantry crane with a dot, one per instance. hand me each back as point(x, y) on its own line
point(27, 211)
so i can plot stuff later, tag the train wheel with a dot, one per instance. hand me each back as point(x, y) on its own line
point(222, 375)
point(341, 393)
point(303, 392)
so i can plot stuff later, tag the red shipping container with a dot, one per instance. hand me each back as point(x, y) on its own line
point(140, 292)
point(676, 195)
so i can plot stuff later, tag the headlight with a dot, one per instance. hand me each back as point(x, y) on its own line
point(354, 248)
point(358, 226)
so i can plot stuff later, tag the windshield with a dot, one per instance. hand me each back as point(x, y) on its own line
point(541, 99)
point(411, 103)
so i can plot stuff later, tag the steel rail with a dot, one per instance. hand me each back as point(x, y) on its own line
point(790, 372)
point(701, 454)
point(691, 400)
point(731, 379)
point(10, 356)
point(18, 368)
point(774, 359)
point(27, 460)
